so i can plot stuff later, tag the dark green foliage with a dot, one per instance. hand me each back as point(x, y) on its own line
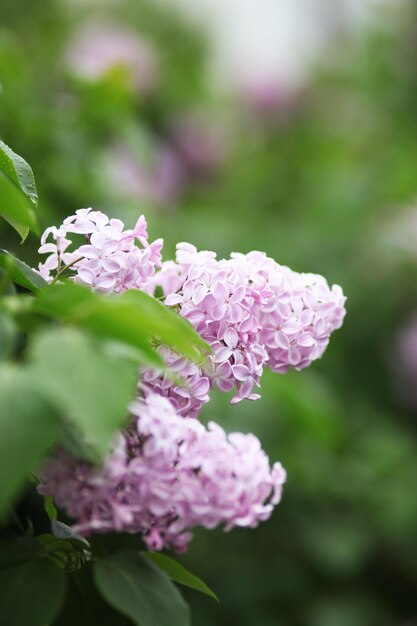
point(139, 590)
point(84, 606)
point(32, 592)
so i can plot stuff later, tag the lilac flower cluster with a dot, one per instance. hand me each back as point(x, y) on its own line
point(253, 312)
point(167, 472)
point(109, 261)
point(166, 475)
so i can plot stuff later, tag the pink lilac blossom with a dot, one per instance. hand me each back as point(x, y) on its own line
point(110, 261)
point(253, 312)
point(187, 392)
point(166, 475)
point(297, 312)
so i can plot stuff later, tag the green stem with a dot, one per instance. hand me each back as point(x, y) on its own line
point(63, 269)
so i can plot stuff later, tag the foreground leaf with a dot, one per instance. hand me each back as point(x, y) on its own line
point(99, 314)
point(18, 195)
point(139, 590)
point(28, 426)
point(31, 593)
point(133, 318)
point(20, 273)
point(173, 329)
point(84, 381)
point(179, 574)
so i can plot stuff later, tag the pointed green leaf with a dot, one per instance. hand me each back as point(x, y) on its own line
point(172, 329)
point(20, 273)
point(138, 589)
point(18, 171)
point(18, 193)
point(179, 574)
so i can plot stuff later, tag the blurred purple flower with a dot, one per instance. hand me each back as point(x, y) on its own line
point(404, 363)
point(201, 143)
point(267, 100)
point(159, 181)
point(98, 48)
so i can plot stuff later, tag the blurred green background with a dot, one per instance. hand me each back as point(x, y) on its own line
point(325, 181)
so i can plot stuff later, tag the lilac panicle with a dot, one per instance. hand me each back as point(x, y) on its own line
point(253, 312)
point(168, 473)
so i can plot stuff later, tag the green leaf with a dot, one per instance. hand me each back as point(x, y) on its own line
point(84, 381)
point(31, 593)
point(8, 336)
point(133, 318)
point(28, 426)
point(85, 607)
point(81, 306)
point(172, 329)
point(138, 589)
point(179, 574)
point(18, 171)
point(18, 193)
point(20, 273)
